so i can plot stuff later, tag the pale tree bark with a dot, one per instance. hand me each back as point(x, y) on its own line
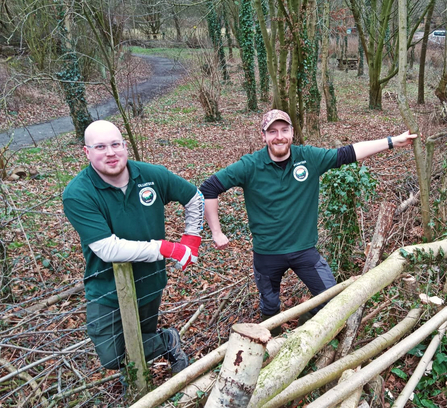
point(197, 391)
point(304, 385)
point(241, 366)
point(319, 330)
point(205, 383)
point(353, 399)
point(341, 391)
point(410, 122)
point(420, 369)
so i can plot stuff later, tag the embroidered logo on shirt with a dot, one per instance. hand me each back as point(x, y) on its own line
point(147, 196)
point(300, 173)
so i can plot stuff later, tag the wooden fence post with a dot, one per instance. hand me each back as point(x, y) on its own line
point(127, 299)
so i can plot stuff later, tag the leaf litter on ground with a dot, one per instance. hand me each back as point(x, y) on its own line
point(42, 251)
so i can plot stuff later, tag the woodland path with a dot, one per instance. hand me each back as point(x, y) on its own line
point(164, 73)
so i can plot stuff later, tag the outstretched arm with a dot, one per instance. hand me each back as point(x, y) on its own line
point(366, 149)
point(212, 217)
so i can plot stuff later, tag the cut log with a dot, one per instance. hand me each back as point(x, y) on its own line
point(189, 374)
point(240, 369)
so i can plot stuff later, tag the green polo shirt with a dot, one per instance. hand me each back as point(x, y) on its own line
point(97, 210)
point(282, 205)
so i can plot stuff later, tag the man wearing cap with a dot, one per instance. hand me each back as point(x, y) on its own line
point(117, 207)
point(281, 189)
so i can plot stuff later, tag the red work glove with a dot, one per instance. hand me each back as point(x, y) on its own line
point(192, 242)
point(179, 252)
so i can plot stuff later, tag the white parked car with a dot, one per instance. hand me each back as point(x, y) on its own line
point(437, 36)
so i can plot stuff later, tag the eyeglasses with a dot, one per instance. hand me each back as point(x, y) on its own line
point(102, 147)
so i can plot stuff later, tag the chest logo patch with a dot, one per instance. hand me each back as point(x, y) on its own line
point(300, 173)
point(147, 196)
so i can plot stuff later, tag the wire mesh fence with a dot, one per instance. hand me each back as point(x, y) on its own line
point(47, 358)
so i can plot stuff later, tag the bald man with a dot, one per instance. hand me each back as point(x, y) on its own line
point(117, 207)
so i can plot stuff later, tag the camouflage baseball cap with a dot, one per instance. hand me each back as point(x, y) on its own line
point(272, 116)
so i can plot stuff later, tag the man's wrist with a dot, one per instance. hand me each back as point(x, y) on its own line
point(390, 142)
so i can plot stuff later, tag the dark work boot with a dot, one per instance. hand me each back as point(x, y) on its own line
point(176, 356)
point(277, 330)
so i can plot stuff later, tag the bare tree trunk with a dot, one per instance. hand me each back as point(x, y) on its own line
point(71, 78)
point(313, 100)
point(421, 80)
point(283, 84)
point(361, 51)
point(176, 24)
point(270, 42)
point(372, 31)
point(421, 164)
point(328, 88)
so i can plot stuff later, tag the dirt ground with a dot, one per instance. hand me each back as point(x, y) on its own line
point(43, 252)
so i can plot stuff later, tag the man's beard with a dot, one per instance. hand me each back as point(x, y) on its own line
point(279, 151)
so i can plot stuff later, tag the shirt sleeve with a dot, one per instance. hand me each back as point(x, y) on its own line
point(212, 187)
point(194, 211)
point(235, 175)
point(346, 155)
point(176, 188)
point(114, 249)
point(86, 219)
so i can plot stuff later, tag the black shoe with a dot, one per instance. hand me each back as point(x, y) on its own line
point(304, 318)
point(275, 331)
point(176, 356)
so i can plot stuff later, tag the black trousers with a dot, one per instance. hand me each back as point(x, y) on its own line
point(105, 328)
point(308, 265)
